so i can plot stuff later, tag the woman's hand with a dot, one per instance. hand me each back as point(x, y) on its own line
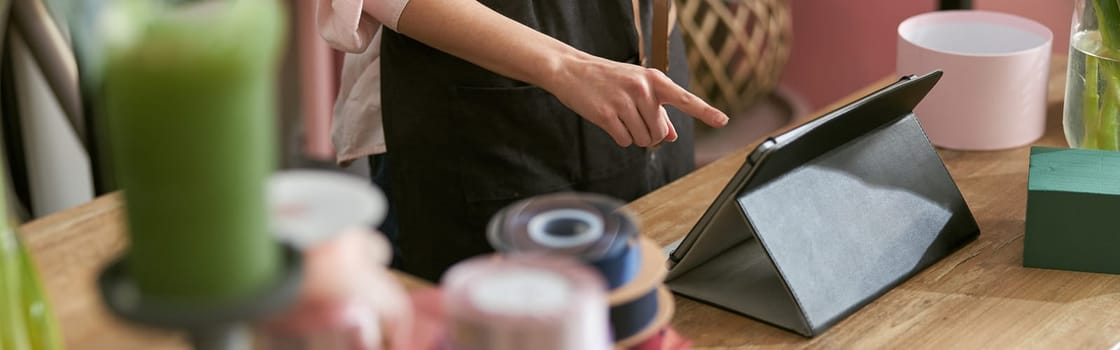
point(626, 100)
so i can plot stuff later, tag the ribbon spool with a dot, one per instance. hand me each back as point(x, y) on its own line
point(658, 322)
point(592, 228)
point(596, 230)
point(525, 302)
point(642, 306)
point(348, 299)
point(310, 206)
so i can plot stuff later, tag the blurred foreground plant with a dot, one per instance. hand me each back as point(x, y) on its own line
point(26, 321)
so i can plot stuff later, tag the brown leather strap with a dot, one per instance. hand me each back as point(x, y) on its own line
point(663, 13)
point(638, 29)
point(660, 45)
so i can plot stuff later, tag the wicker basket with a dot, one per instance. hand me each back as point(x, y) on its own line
point(736, 48)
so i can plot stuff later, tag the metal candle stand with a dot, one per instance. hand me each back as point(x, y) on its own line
point(217, 326)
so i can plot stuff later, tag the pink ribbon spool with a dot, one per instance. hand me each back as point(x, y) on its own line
point(348, 299)
point(525, 302)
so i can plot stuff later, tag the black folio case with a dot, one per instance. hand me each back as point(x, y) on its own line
point(823, 219)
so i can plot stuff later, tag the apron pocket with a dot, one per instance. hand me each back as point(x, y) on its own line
point(516, 142)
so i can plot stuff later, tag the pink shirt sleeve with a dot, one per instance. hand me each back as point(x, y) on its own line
point(349, 25)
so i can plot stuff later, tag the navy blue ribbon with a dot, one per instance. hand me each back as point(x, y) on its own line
point(630, 318)
point(621, 267)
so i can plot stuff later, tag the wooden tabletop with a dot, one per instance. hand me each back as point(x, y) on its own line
point(978, 297)
point(69, 249)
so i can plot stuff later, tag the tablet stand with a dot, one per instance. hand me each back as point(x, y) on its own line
point(829, 219)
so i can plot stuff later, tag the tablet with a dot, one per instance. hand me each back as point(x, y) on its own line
point(821, 219)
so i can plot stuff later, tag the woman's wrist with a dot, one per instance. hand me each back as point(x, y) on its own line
point(558, 71)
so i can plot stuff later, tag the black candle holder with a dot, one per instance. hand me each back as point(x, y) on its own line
point(209, 327)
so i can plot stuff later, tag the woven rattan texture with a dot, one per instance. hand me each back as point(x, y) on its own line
point(736, 48)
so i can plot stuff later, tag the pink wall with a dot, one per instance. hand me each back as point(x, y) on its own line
point(840, 46)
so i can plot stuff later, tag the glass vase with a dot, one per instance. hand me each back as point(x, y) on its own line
point(1092, 103)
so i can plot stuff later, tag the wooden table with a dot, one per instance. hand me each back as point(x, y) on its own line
point(979, 297)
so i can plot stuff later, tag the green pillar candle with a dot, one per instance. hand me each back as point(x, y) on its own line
point(189, 92)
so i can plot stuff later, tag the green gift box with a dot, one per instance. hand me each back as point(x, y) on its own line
point(1073, 195)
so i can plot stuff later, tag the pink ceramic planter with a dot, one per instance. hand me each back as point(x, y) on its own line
point(993, 93)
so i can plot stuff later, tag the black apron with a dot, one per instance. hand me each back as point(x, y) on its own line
point(466, 142)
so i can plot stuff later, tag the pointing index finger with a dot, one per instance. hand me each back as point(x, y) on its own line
point(672, 94)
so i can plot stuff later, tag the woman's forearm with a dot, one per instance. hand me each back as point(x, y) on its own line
point(624, 100)
point(471, 31)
